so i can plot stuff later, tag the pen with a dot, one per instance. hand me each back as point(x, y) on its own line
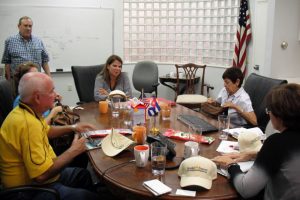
point(234, 147)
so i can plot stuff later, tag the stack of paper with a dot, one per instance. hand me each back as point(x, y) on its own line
point(157, 187)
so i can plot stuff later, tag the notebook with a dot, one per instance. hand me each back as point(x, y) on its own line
point(157, 187)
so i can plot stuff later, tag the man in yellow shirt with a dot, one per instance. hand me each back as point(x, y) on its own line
point(26, 157)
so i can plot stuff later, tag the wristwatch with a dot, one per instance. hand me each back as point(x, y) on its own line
point(74, 126)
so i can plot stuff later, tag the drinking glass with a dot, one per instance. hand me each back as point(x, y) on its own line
point(115, 107)
point(128, 116)
point(158, 158)
point(139, 134)
point(165, 112)
point(223, 122)
point(103, 107)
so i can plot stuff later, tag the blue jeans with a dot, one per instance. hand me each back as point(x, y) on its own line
point(74, 183)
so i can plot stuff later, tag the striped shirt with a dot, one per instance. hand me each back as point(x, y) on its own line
point(18, 50)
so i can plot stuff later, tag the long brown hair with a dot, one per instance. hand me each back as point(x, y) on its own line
point(109, 61)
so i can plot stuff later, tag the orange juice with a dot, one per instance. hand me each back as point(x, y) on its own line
point(103, 107)
point(139, 134)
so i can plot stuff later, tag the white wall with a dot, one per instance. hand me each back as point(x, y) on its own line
point(286, 62)
point(273, 21)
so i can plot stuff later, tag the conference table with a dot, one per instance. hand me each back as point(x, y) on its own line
point(125, 180)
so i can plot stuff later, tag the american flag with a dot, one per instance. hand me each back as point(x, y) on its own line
point(243, 36)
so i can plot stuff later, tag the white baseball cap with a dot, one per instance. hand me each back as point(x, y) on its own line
point(197, 171)
point(249, 141)
point(114, 143)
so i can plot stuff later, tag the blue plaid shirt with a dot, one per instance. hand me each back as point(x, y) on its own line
point(17, 51)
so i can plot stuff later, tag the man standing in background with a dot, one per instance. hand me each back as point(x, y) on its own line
point(24, 47)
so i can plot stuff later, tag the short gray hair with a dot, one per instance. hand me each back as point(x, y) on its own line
point(24, 17)
point(32, 82)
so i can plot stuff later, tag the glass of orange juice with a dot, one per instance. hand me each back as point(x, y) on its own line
point(165, 112)
point(103, 107)
point(139, 134)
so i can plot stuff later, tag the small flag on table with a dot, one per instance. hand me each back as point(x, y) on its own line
point(153, 107)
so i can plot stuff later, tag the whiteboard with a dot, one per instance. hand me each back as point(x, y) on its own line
point(72, 36)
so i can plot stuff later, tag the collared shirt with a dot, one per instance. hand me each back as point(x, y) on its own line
point(122, 84)
point(25, 152)
point(239, 98)
point(17, 50)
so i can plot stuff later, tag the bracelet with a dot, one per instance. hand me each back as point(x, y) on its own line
point(74, 126)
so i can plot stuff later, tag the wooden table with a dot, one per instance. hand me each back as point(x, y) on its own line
point(170, 82)
point(125, 179)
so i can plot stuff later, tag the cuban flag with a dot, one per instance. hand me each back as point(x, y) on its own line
point(153, 108)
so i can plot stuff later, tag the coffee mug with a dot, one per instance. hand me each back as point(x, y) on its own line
point(190, 149)
point(141, 155)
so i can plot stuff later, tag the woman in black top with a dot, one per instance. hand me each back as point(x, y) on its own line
point(276, 169)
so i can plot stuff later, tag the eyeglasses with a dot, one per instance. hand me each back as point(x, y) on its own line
point(268, 111)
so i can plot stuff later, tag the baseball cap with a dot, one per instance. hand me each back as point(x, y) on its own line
point(115, 143)
point(249, 141)
point(197, 171)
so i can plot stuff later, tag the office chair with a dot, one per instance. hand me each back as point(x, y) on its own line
point(84, 78)
point(145, 77)
point(6, 194)
point(190, 98)
point(257, 87)
point(6, 100)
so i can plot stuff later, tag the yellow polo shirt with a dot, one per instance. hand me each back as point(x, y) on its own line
point(25, 152)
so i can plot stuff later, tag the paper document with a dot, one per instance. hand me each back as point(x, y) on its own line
point(105, 132)
point(188, 193)
point(228, 147)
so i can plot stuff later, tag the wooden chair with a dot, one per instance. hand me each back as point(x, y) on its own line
point(190, 98)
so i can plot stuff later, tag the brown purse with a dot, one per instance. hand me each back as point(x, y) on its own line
point(66, 117)
point(213, 109)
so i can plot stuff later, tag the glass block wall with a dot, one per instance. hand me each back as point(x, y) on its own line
point(174, 31)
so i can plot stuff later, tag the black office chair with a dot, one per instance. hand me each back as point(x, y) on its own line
point(145, 77)
point(6, 100)
point(9, 193)
point(257, 87)
point(84, 78)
